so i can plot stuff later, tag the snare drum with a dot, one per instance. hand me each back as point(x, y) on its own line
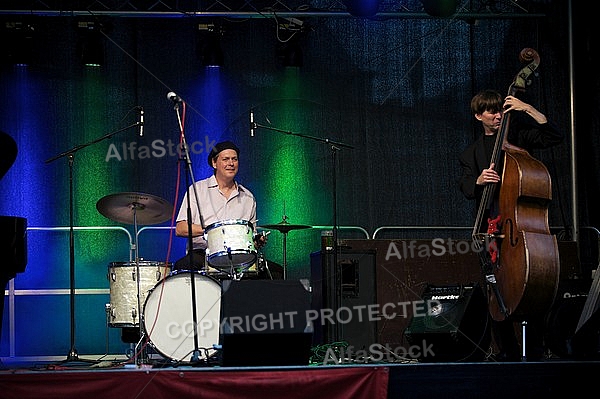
point(168, 318)
point(249, 272)
point(230, 244)
point(124, 290)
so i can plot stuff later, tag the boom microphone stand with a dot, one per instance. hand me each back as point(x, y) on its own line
point(73, 356)
point(190, 183)
point(335, 146)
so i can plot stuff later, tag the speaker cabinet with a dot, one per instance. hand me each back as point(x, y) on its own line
point(265, 322)
point(572, 328)
point(452, 326)
point(345, 291)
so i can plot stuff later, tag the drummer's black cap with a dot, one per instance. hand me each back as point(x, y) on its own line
point(224, 145)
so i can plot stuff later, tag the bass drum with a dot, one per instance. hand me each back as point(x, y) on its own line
point(168, 318)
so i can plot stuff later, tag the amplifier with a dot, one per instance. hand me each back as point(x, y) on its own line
point(454, 324)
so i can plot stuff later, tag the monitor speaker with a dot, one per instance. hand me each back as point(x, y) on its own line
point(265, 323)
point(344, 289)
point(453, 326)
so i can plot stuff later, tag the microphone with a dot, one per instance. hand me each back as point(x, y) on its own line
point(141, 121)
point(174, 97)
point(252, 125)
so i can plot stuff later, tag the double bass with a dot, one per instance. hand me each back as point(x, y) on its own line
point(519, 255)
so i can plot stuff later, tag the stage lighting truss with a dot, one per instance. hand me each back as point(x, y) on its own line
point(245, 9)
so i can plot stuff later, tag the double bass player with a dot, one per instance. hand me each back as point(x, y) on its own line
point(530, 129)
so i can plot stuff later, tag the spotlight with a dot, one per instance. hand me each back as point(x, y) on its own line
point(291, 55)
point(289, 33)
point(440, 8)
point(18, 43)
point(291, 25)
point(209, 46)
point(362, 8)
point(212, 54)
point(91, 44)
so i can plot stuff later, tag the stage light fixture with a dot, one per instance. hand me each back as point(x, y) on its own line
point(289, 33)
point(91, 44)
point(291, 55)
point(291, 24)
point(17, 47)
point(209, 46)
point(362, 8)
point(440, 8)
point(212, 54)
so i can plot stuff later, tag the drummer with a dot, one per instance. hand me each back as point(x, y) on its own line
point(220, 198)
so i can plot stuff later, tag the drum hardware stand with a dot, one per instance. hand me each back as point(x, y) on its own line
point(258, 267)
point(73, 356)
point(285, 233)
point(233, 273)
point(140, 348)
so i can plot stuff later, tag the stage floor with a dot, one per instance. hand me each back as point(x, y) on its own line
point(111, 378)
point(117, 377)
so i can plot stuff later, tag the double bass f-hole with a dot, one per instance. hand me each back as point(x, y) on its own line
point(512, 237)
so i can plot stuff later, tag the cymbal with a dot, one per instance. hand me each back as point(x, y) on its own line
point(149, 209)
point(285, 227)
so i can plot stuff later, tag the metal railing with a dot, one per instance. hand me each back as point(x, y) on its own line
point(10, 293)
point(417, 228)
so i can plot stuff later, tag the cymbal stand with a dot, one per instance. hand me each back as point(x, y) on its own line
point(260, 258)
point(336, 298)
point(335, 147)
point(140, 348)
point(284, 220)
point(285, 233)
point(73, 356)
point(190, 180)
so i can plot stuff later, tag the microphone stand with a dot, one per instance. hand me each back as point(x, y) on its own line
point(73, 356)
point(335, 146)
point(190, 244)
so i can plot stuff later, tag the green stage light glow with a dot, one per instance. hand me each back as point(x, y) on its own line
point(289, 185)
point(95, 178)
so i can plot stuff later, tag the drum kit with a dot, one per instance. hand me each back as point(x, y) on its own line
point(139, 290)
